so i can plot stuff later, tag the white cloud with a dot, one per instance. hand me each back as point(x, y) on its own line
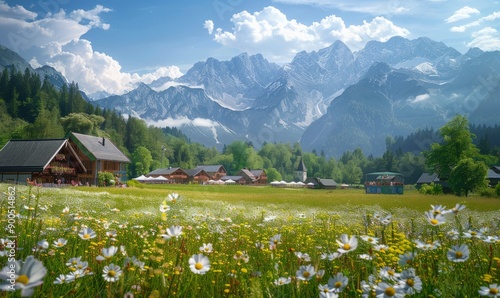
point(364, 6)
point(95, 71)
point(491, 17)
point(420, 98)
point(271, 33)
point(209, 25)
point(461, 14)
point(181, 121)
point(16, 12)
point(56, 40)
point(486, 39)
point(91, 16)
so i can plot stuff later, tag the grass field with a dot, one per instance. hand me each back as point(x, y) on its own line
point(258, 242)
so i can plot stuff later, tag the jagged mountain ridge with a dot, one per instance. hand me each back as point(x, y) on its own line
point(389, 102)
point(261, 102)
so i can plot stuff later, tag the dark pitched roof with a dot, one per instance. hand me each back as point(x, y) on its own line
point(302, 166)
point(29, 155)
point(327, 182)
point(166, 171)
point(99, 147)
point(492, 174)
point(195, 172)
point(248, 174)
point(495, 169)
point(257, 173)
point(427, 178)
point(211, 168)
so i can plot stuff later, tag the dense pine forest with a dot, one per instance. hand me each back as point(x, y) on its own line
point(32, 108)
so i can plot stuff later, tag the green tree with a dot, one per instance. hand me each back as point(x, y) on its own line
point(352, 173)
point(184, 157)
point(468, 176)
point(82, 123)
point(46, 126)
point(273, 175)
point(241, 153)
point(457, 145)
point(141, 161)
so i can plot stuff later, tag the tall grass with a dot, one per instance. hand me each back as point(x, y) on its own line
point(240, 223)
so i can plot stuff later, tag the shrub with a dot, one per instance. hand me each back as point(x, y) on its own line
point(487, 192)
point(134, 183)
point(498, 189)
point(105, 179)
point(431, 189)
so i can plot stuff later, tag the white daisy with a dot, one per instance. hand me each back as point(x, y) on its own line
point(199, 264)
point(111, 273)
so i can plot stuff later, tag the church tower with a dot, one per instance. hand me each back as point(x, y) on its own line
point(301, 172)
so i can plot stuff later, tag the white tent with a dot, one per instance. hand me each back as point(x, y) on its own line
point(140, 178)
point(160, 179)
point(230, 181)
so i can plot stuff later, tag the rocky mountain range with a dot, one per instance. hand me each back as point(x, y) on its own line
point(330, 100)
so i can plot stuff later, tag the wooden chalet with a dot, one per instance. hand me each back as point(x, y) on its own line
point(98, 154)
point(197, 176)
point(254, 177)
point(40, 162)
point(216, 172)
point(174, 175)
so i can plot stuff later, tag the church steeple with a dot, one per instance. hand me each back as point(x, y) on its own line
point(301, 172)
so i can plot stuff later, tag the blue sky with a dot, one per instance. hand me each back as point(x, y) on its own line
point(112, 45)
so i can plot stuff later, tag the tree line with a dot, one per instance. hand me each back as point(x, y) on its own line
point(33, 108)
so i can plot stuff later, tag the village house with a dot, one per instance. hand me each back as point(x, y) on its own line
point(197, 176)
point(75, 160)
point(98, 154)
point(174, 175)
point(40, 162)
point(321, 183)
point(255, 177)
point(215, 172)
point(208, 174)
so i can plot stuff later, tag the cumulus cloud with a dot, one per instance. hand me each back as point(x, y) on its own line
point(271, 33)
point(95, 71)
point(209, 25)
point(56, 40)
point(487, 39)
point(461, 14)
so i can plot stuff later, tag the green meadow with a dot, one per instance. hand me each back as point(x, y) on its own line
point(241, 241)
